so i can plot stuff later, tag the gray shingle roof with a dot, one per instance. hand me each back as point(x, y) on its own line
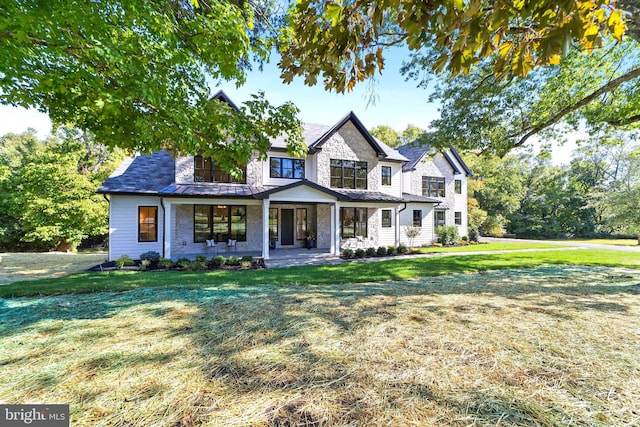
point(414, 153)
point(415, 198)
point(141, 174)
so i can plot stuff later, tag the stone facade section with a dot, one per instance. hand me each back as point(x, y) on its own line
point(324, 226)
point(348, 144)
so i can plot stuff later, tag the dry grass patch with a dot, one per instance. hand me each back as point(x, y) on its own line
point(15, 266)
point(546, 346)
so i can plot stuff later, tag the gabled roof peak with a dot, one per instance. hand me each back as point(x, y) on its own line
point(221, 96)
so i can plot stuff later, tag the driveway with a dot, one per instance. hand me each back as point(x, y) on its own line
point(575, 244)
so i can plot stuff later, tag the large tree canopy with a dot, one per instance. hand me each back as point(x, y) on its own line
point(137, 74)
point(507, 70)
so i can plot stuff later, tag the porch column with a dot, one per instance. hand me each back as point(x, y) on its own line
point(265, 228)
point(335, 228)
point(166, 231)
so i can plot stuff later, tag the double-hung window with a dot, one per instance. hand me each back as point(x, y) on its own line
point(348, 174)
point(386, 175)
point(147, 224)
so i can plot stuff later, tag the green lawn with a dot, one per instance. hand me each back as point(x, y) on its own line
point(611, 242)
point(18, 266)
point(547, 345)
point(491, 246)
point(352, 272)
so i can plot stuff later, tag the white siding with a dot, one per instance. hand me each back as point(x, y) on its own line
point(426, 235)
point(123, 226)
point(387, 236)
point(395, 189)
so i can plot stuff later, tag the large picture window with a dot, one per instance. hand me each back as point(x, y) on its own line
point(286, 168)
point(219, 222)
point(353, 222)
point(206, 170)
point(386, 175)
point(348, 174)
point(147, 224)
point(432, 186)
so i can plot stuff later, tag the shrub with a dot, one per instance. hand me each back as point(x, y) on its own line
point(144, 264)
point(245, 264)
point(474, 234)
point(216, 262)
point(198, 265)
point(381, 251)
point(347, 253)
point(392, 250)
point(165, 263)
point(465, 238)
point(233, 261)
point(247, 258)
point(402, 248)
point(448, 234)
point(184, 263)
point(371, 251)
point(152, 256)
point(360, 253)
point(201, 258)
point(124, 261)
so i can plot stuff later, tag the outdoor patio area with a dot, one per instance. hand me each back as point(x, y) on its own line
point(278, 257)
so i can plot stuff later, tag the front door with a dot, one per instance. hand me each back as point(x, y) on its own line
point(286, 227)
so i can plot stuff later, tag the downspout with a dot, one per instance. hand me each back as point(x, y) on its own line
point(398, 224)
point(163, 225)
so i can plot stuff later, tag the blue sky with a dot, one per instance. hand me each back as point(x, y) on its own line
point(398, 102)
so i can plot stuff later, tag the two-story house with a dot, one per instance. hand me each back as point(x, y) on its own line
point(350, 188)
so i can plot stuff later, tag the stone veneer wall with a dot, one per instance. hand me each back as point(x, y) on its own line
point(441, 168)
point(324, 226)
point(348, 144)
point(184, 170)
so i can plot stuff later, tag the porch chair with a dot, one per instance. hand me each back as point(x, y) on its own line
point(231, 244)
point(211, 244)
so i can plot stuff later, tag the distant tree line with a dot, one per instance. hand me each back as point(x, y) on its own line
point(596, 194)
point(48, 188)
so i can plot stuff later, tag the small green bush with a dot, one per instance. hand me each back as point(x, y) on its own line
point(474, 234)
point(233, 261)
point(184, 263)
point(247, 258)
point(371, 251)
point(144, 264)
point(216, 262)
point(448, 234)
point(465, 238)
point(152, 256)
point(382, 251)
point(402, 248)
point(360, 253)
point(246, 264)
point(392, 250)
point(201, 258)
point(198, 265)
point(124, 261)
point(347, 253)
point(165, 263)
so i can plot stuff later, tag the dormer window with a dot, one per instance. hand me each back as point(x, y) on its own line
point(205, 170)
